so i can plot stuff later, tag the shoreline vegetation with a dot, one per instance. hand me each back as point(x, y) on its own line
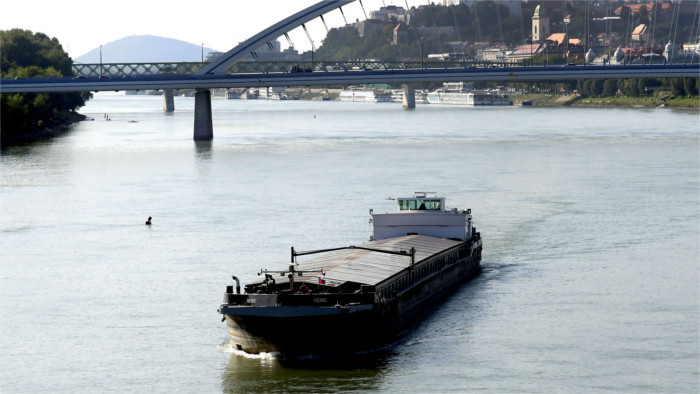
point(26, 117)
point(575, 100)
point(42, 133)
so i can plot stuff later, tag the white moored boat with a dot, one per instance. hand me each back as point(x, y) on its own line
point(365, 96)
point(455, 94)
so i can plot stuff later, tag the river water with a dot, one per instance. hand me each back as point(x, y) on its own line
point(590, 220)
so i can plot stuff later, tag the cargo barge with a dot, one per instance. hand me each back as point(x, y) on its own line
point(359, 297)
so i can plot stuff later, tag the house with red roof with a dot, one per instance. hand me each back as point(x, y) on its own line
point(641, 33)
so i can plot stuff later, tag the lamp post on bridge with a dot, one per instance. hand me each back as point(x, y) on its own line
point(422, 62)
point(202, 54)
point(100, 60)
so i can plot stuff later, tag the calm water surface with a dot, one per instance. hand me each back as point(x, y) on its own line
point(590, 220)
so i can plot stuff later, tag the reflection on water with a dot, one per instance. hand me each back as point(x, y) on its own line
point(203, 149)
point(266, 374)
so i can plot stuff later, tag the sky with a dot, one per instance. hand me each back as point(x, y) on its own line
point(83, 25)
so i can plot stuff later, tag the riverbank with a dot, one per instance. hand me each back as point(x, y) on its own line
point(663, 100)
point(668, 101)
point(69, 118)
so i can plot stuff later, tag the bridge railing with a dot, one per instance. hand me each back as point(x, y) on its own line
point(265, 67)
point(135, 69)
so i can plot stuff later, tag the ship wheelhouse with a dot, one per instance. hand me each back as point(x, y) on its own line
point(423, 214)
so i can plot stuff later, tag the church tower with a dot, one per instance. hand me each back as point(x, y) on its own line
point(540, 25)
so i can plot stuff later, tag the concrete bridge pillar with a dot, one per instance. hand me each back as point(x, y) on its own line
point(409, 96)
point(203, 130)
point(168, 100)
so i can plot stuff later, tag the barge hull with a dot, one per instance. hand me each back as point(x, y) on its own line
point(299, 330)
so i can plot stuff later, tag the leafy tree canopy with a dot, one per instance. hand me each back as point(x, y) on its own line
point(24, 54)
point(22, 48)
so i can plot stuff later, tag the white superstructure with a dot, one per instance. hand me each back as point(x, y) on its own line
point(423, 215)
point(365, 96)
point(441, 96)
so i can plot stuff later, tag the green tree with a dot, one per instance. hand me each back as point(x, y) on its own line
point(597, 87)
point(24, 54)
point(643, 16)
point(621, 85)
point(610, 88)
point(690, 86)
point(641, 85)
point(677, 87)
point(630, 88)
point(588, 88)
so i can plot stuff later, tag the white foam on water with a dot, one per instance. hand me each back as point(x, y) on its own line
point(228, 348)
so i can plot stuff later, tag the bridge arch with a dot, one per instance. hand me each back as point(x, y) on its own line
point(221, 64)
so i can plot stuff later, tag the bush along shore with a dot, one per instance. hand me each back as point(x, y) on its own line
point(28, 116)
point(576, 100)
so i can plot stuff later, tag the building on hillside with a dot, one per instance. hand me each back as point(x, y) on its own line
point(389, 12)
point(497, 55)
point(368, 26)
point(401, 35)
point(606, 39)
point(525, 52)
point(641, 34)
point(540, 24)
point(558, 39)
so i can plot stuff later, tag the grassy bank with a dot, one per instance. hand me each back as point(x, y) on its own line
point(543, 100)
point(639, 102)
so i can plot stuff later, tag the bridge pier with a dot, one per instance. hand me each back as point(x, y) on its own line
point(168, 100)
point(409, 96)
point(203, 130)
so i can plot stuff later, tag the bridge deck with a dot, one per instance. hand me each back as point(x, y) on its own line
point(68, 84)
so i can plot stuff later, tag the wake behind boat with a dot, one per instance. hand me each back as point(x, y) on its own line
point(358, 297)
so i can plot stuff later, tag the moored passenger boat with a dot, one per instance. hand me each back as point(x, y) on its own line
point(365, 96)
point(468, 98)
point(457, 94)
point(358, 297)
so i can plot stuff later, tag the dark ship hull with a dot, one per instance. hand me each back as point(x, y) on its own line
point(351, 316)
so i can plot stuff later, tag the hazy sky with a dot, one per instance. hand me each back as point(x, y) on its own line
point(82, 25)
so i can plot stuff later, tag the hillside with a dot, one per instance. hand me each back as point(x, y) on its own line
point(145, 49)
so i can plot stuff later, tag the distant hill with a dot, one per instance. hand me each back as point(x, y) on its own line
point(145, 49)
